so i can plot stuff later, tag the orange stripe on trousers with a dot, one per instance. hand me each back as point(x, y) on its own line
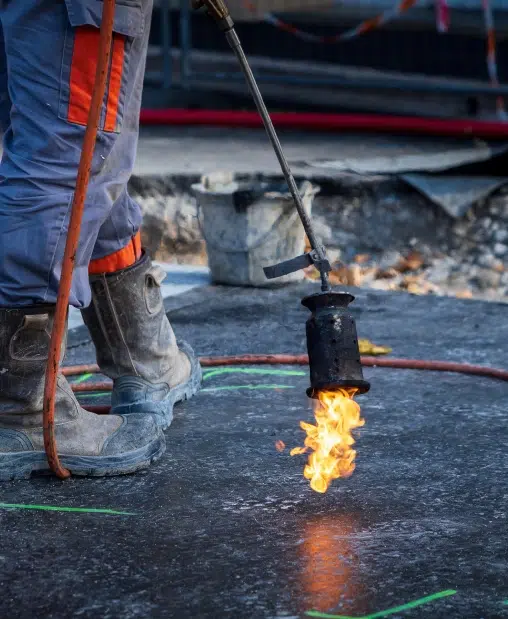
point(82, 76)
point(120, 259)
point(115, 82)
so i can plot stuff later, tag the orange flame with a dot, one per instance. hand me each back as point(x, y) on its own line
point(337, 414)
point(280, 446)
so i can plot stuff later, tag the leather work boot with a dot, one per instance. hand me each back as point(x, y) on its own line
point(88, 444)
point(135, 344)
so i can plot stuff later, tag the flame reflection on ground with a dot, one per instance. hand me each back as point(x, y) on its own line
point(329, 576)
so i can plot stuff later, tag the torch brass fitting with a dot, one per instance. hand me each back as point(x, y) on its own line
point(216, 9)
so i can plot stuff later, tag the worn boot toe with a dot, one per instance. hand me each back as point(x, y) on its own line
point(135, 433)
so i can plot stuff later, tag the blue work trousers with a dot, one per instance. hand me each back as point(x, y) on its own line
point(48, 56)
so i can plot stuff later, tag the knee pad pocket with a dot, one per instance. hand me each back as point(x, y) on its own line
point(80, 56)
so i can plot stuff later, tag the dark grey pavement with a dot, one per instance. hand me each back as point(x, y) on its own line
point(224, 526)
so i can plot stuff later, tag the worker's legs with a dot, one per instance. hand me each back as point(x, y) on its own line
point(51, 50)
point(135, 343)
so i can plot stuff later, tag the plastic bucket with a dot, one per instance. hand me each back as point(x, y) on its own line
point(247, 226)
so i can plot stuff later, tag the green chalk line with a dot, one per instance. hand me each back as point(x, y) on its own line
point(389, 611)
point(98, 394)
point(82, 379)
point(54, 508)
point(220, 371)
point(251, 387)
point(211, 374)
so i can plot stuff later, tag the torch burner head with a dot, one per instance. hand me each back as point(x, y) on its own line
point(332, 344)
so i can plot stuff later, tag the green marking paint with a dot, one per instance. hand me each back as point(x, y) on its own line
point(251, 387)
point(220, 371)
point(389, 611)
point(54, 508)
point(82, 379)
point(98, 394)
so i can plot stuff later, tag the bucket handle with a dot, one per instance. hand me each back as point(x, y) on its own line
point(309, 190)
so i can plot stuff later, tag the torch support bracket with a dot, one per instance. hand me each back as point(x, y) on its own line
point(295, 264)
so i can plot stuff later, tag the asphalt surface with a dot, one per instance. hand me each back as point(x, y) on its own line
point(224, 526)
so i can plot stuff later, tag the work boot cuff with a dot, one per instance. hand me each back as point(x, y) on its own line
point(139, 265)
point(27, 310)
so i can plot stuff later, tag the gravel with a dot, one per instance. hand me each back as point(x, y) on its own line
point(379, 232)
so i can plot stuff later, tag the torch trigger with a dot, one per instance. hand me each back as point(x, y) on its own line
point(295, 264)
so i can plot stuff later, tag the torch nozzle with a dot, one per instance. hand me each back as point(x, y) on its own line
point(332, 344)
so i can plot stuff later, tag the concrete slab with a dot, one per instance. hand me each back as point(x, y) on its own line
point(191, 151)
point(225, 526)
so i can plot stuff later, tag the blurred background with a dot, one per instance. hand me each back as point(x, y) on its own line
point(425, 57)
point(394, 111)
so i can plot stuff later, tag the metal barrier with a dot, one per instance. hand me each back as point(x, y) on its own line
point(270, 72)
point(165, 77)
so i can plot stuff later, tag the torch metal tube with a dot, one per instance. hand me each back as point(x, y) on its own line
point(236, 46)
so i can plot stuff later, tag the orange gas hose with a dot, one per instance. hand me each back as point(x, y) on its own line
point(287, 359)
point(71, 245)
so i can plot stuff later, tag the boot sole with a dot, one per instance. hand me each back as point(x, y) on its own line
point(21, 465)
point(163, 410)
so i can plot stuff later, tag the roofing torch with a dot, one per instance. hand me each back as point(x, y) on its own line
point(332, 342)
